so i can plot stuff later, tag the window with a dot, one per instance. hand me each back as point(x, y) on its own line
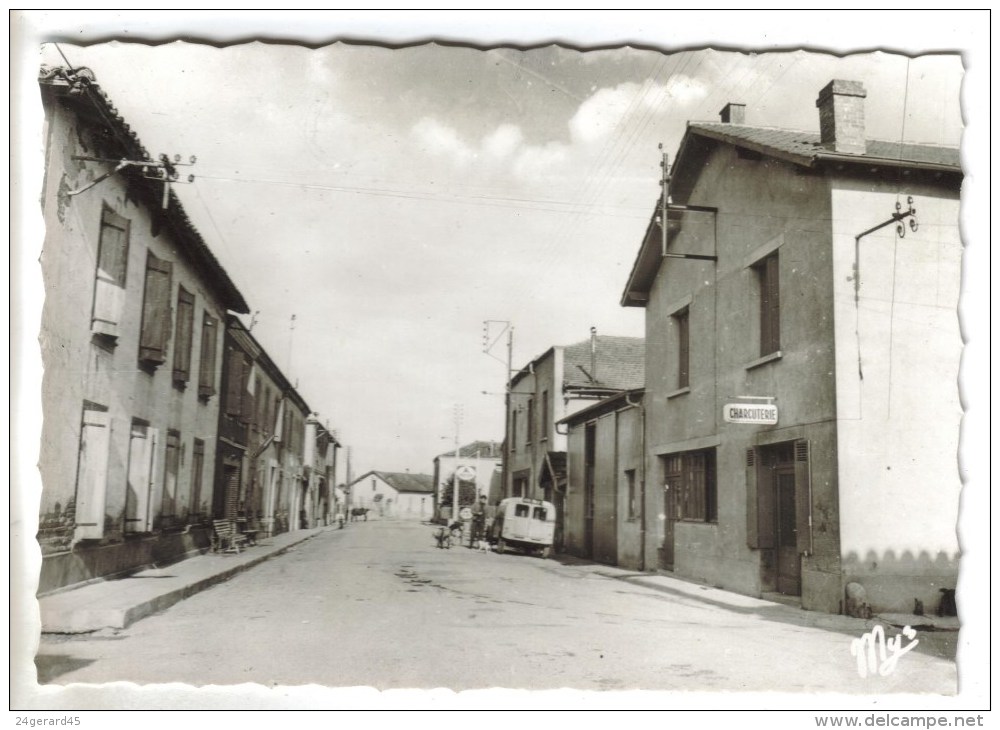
point(239, 400)
point(689, 480)
point(544, 425)
point(112, 265)
point(155, 331)
point(513, 431)
point(681, 321)
point(206, 373)
point(540, 513)
point(521, 510)
point(92, 472)
point(141, 462)
point(630, 490)
point(770, 318)
point(185, 334)
point(530, 428)
point(197, 473)
point(520, 487)
point(171, 467)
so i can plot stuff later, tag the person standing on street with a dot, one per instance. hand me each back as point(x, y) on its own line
point(479, 520)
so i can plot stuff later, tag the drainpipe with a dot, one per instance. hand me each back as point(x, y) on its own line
point(642, 479)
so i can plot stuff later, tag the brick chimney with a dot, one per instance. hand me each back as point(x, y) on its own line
point(842, 116)
point(733, 113)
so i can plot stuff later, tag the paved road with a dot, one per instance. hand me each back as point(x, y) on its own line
point(377, 604)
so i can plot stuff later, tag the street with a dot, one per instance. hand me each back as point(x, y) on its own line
point(378, 604)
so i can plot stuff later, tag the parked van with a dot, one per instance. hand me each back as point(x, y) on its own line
point(525, 524)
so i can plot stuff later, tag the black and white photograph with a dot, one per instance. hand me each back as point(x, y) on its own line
point(500, 360)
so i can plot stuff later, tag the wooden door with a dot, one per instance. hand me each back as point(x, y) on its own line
point(789, 565)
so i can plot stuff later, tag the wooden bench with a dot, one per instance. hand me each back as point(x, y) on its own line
point(226, 538)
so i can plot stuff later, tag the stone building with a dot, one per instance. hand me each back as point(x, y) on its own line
point(131, 345)
point(802, 349)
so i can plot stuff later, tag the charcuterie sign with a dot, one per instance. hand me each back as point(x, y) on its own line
point(753, 413)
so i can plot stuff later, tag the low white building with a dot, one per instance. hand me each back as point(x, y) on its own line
point(395, 495)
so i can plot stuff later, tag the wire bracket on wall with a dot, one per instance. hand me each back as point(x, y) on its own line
point(163, 170)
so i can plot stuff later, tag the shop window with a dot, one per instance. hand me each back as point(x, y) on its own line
point(155, 331)
point(112, 266)
point(689, 478)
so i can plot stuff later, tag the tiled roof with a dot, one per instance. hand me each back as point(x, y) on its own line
point(806, 148)
point(621, 363)
point(482, 449)
point(406, 482)
point(80, 84)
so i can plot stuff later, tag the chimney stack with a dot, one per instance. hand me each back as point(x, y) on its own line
point(733, 113)
point(842, 116)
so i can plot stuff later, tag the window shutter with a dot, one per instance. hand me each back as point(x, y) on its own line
point(141, 460)
point(234, 382)
point(246, 395)
point(155, 311)
point(171, 467)
point(803, 497)
point(92, 475)
point(760, 505)
point(112, 267)
point(209, 338)
point(770, 320)
point(185, 332)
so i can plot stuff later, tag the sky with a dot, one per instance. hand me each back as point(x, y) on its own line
point(392, 201)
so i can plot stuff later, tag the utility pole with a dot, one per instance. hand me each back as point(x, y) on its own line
point(455, 480)
point(487, 346)
point(665, 182)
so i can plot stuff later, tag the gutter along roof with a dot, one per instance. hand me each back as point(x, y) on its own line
point(78, 89)
point(796, 147)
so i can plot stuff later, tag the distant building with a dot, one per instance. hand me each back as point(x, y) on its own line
point(393, 495)
point(561, 381)
point(477, 465)
point(132, 346)
point(802, 350)
point(604, 518)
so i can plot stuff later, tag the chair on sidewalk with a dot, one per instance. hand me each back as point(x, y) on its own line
point(226, 538)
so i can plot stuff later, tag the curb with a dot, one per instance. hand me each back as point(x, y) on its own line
point(85, 621)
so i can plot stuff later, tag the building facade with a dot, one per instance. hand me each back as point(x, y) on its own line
point(393, 495)
point(558, 383)
point(604, 505)
point(802, 409)
point(131, 344)
point(477, 466)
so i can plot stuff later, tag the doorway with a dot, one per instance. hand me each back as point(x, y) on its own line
point(782, 495)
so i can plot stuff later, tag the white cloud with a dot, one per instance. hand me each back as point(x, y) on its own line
point(615, 109)
point(439, 138)
point(503, 141)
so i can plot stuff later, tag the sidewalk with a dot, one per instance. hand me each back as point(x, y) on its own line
point(938, 635)
point(116, 604)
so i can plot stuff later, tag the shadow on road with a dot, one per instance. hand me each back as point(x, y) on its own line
point(50, 666)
